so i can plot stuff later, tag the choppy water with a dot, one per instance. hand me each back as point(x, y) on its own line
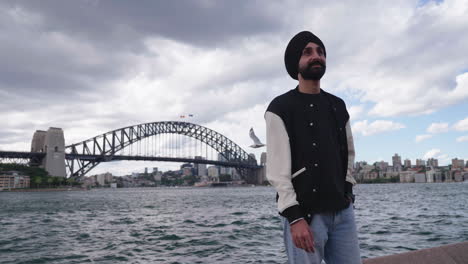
point(217, 225)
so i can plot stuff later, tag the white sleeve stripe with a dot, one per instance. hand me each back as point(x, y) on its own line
point(351, 154)
point(278, 167)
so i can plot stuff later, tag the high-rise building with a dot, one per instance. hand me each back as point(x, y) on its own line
point(433, 162)
point(407, 163)
point(263, 159)
point(396, 162)
point(213, 171)
point(200, 169)
point(458, 163)
point(381, 165)
point(420, 163)
point(222, 169)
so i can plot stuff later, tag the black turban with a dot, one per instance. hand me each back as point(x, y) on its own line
point(294, 51)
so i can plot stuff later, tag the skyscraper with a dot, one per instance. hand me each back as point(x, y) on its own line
point(433, 162)
point(200, 169)
point(407, 163)
point(396, 162)
point(420, 163)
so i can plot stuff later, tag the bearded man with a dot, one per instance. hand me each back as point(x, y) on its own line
point(310, 155)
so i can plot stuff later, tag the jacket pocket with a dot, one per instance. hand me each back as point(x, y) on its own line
point(298, 172)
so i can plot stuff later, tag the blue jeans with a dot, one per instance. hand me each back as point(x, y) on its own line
point(335, 238)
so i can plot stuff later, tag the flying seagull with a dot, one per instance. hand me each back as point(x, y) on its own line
point(257, 143)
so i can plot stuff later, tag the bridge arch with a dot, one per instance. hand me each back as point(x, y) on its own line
point(83, 156)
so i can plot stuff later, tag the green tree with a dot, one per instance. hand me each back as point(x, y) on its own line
point(50, 180)
point(70, 181)
point(225, 177)
point(37, 180)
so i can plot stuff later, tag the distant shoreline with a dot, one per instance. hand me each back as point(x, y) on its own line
point(44, 190)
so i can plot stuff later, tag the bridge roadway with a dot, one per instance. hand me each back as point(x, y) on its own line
point(37, 156)
point(22, 155)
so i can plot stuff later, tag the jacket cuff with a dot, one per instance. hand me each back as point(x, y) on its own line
point(349, 191)
point(292, 213)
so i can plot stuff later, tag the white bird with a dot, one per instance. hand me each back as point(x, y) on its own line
point(257, 143)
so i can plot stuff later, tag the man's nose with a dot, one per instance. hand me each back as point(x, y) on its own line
point(314, 57)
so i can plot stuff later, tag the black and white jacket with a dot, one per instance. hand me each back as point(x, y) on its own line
point(293, 152)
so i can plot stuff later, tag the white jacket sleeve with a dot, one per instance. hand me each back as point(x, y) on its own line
point(278, 166)
point(351, 154)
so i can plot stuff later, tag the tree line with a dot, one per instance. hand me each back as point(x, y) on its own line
point(39, 177)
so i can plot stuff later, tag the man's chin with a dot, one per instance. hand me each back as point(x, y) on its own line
point(313, 75)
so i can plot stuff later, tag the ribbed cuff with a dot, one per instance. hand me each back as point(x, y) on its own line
point(349, 191)
point(292, 213)
point(297, 220)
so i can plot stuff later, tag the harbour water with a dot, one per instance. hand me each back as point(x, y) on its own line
point(211, 225)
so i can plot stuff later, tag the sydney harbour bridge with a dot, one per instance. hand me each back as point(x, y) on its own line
point(169, 141)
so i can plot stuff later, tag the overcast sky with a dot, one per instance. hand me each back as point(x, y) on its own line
point(94, 66)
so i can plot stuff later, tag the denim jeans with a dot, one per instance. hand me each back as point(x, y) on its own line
point(335, 238)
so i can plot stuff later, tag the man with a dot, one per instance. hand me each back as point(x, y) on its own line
point(310, 152)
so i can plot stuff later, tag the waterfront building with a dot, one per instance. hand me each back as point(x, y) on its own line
point(381, 165)
point(89, 181)
point(458, 164)
point(104, 178)
point(420, 163)
point(364, 172)
point(157, 176)
point(13, 180)
point(458, 176)
point(407, 163)
point(360, 164)
point(433, 162)
point(200, 169)
point(396, 162)
point(225, 170)
point(263, 158)
point(261, 177)
point(392, 174)
point(419, 177)
point(213, 171)
point(407, 176)
point(430, 174)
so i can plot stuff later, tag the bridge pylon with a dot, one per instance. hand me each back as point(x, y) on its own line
point(52, 143)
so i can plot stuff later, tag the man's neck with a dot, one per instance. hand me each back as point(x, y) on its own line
point(309, 86)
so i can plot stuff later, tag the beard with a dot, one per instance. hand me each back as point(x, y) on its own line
point(313, 73)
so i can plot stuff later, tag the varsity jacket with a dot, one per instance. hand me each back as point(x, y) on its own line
point(293, 152)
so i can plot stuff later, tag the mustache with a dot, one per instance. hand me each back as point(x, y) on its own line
point(313, 63)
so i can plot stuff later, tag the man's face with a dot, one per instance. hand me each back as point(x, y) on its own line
point(312, 63)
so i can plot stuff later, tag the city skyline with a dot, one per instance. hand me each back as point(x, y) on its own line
point(397, 65)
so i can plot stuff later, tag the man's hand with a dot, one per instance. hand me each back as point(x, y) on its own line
point(302, 236)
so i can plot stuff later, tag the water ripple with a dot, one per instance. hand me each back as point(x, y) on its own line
point(203, 225)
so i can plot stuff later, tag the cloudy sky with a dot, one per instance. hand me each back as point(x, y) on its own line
point(93, 66)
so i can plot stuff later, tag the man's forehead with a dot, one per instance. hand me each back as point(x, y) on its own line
point(311, 45)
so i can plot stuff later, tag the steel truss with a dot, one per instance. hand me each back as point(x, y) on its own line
point(84, 156)
point(27, 158)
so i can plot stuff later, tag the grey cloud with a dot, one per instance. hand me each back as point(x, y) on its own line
point(36, 71)
point(205, 23)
